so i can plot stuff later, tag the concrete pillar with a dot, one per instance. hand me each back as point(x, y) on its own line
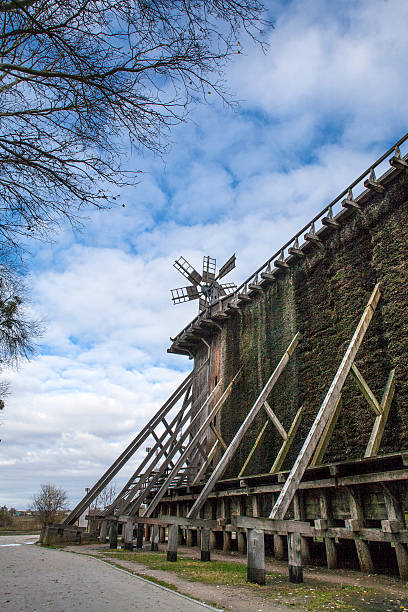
point(241, 536)
point(127, 534)
point(162, 535)
point(103, 531)
point(154, 538)
point(295, 557)
point(279, 547)
point(226, 543)
point(172, 543)
point(113, 535)
point(255, 556)
point(205, 545)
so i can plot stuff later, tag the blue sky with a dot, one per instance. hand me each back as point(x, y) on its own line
point(325, 101)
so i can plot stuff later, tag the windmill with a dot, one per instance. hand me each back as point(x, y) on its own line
point(204, 287)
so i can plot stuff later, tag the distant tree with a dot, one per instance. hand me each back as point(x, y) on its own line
point(5, 517)
point(78, 76)
point(49, 501)
point(105, 498)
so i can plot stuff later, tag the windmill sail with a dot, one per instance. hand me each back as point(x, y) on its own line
point(184, 294)
point(228, 287)
point(227, 267)
point(209, 264)
point(187, 270)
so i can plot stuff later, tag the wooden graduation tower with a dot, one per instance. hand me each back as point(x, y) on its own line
point(290, 430)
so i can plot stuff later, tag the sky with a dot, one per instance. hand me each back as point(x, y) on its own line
point(325, 101)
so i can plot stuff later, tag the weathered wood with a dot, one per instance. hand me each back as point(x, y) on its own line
point(189, 538)
point(253, 449)
point(191, 445)
point(225, 459)
point(396, 515)
point(103, 531)
point(162, 535)
point(329, 403)
point(218, 436)
point(279, 547)
point(329, 543)
point(381, 420)
point(139, 537)
point(154, 538)
point(184, 521)
point(275, 421)
point(300, 514)
point(365, 389)
point(363, 550)
point(113, 535)
point(226, 541)
point(272, 525)
point(284, 449)
point(127, 537)
point(205, 545)
point(255, 556)
point(201, 472)
point(326, 435)
point(241, 542)
point(172, 542)
point(295, 558)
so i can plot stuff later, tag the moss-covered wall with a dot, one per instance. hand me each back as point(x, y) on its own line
point(323, 296)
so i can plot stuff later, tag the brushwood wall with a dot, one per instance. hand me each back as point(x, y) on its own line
point(323, 296)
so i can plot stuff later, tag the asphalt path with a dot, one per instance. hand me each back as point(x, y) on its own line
point(37, 579)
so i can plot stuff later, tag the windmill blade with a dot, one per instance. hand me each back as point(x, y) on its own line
point(184, 294)
point(203, 304)
point(187, 270)
point(227, 267)
point(228, 287)
point(209, 264)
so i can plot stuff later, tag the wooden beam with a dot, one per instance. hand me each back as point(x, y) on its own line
point(381, 420)
point(288, 442)
point(395, 513)
point(206, 463)
point(357, 515)
point(218, 435)
point(275, 420)
point(253, 449)
point(326, 435)
point(225, 459)
point(365, 389)
point(328, 406)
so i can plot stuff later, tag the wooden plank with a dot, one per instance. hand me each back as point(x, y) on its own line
point(253, 449)
point(326, 435)
point(283, 502)
point(218, 436)
point(272, 525)
point(225, 459)
point(365, 389)
point(206, 463)
point(190, 446)
point(381, 420)
point(330, 543)
point(183, 521)
point(363, 550)
point(396, 514)
point(275, 421)
point(284, 449)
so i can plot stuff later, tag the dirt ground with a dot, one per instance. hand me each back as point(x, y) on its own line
point(322, 589)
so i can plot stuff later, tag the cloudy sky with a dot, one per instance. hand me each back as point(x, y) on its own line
point(326, 100)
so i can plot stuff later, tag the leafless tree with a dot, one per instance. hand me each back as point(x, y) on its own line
point(76, 76)
point(49, 501)
point(105, 498)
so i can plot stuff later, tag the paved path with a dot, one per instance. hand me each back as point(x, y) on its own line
point(35, 579)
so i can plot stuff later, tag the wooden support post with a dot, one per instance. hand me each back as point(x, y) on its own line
point(205, 545)
point(189, 538)
point(328, 406)
point(357, 515)
point(300, 515)
point(326, 435)
point(241, 537)
point(128, 534)
point(139, 536)
point(330, 543)
point(154, 538)
point(288, 442)
point(226, 541)
point(395, 513)
point(381, 420)
point(103, 531)
point(162, 535)
point(213, 540)
point(295, 558)
point(172, 543)
point(253, 449)
point(255, 556)
point(279, 547)
point(225, 459)
point(113, 535)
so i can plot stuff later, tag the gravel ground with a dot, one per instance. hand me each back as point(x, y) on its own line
point(37, 579)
